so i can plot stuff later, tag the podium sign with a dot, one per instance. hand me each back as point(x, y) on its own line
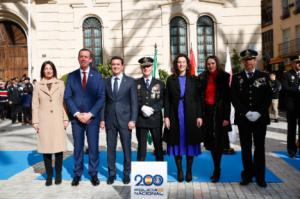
point(149, 180)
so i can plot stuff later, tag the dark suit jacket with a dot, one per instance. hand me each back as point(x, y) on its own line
point(153, 97)
point(251, 95)
point(192, 104)
point(290, 84)
point(89, 100)
point(124, 107)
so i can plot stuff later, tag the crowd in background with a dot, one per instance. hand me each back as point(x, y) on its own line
point(15, 99)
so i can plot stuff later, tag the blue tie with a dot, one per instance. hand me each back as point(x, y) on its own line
point(250, 75)
point(147, 83)
point(115, 91)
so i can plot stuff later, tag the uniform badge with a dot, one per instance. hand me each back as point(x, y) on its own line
point(241, 81)
point(155, 91)
point(293, 78)
point(138, 86)
point(259, 82)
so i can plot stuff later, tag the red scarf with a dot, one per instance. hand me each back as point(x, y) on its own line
point(210, 92)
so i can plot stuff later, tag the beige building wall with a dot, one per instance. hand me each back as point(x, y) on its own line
point(279, 25)
point(57, 28)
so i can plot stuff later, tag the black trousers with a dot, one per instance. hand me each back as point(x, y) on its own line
point(27, 114)
point(156, 133)
point(16, 112)
point(253, 132)
point(2, 110)
point(111, 140)
point(293, 118)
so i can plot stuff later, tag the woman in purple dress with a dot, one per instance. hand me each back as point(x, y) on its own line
point(183, 116)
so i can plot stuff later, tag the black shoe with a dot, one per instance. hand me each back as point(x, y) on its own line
point(48, 181)
point(86, 151)
point(188, 176)
point(261, 184)
point(276, 120)
point(95, 181)
point(57, 179)
point(111, 180)
point(245, 182)
point(126, 179)
point(292, 154)
point(229, 151)
point(75, 181)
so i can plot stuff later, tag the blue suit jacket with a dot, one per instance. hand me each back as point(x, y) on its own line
point(89, 100)
point(124, 107)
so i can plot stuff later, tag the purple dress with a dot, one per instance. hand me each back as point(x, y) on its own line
point(182, 148)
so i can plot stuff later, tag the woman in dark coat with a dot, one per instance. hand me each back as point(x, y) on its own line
point(183, 117)
point(216, 110)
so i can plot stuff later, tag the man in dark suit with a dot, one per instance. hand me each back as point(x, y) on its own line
point(14, 100)
point(251, 98)
point(291, 86)
point(84, 97)
point(119, 116)
point(150, 100)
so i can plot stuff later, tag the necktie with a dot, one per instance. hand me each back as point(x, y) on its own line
point(250, 75)
point(147, 83)
point(84, 80)
point(115, 91)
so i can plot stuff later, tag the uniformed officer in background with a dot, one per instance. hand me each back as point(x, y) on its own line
point(150, 100)
point(251, 98)
point(291, 86)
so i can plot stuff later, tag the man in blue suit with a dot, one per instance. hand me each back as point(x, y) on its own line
point(119, 116)
point(84, 97)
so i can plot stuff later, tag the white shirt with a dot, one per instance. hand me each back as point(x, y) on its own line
point(86, 74)
point(120, 76)
point(150, 80)
point(249, 72)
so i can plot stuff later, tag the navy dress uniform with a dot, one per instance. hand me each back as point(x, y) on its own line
point(150, 93)
point(251, 98)
point(291, 86)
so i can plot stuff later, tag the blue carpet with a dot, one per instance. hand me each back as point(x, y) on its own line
point(13, 162)
point(295, 162)
point(202, 168)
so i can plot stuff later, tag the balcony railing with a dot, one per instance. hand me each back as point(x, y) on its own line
point(285, 13)
point(289, 48)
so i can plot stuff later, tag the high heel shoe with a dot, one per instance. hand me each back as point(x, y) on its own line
point(189, 176)
point(180, 176)
point(216, 176)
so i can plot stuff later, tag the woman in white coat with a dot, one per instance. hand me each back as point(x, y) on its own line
point(50, 120)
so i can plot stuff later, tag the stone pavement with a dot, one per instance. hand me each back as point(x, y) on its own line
point(25, 186)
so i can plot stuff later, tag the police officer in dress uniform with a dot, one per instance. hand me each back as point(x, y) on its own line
point(291, 86)
point(150, 101)
point(251, 98)
point(14, 99)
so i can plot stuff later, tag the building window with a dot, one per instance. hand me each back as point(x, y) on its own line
point(205, 40)
point(298, 38)
point(267, 46)
point(297, 7)
point(267, 12)
point(285, 41)
point(178, 36)
point(285, 9)
point(92, 38)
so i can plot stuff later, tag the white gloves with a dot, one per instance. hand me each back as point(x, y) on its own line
point(147, 111)
point(252, 116)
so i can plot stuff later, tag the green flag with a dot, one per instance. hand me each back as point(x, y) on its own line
point(154, 71)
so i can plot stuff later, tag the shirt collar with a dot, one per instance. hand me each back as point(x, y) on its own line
point(87, 70)
point(120, 76)
point(149, 78)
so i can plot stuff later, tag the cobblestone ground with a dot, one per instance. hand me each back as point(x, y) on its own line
point(24, 185)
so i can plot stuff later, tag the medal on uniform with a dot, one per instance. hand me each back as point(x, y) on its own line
point(138, 86)
point(292, 78)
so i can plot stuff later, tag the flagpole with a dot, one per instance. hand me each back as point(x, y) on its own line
point(29, 50)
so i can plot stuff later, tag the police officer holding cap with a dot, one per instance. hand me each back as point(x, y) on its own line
point(150, 101)
point(251, 98)
point(291, 86)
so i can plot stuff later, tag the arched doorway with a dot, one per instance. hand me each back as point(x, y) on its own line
point(13, 50)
